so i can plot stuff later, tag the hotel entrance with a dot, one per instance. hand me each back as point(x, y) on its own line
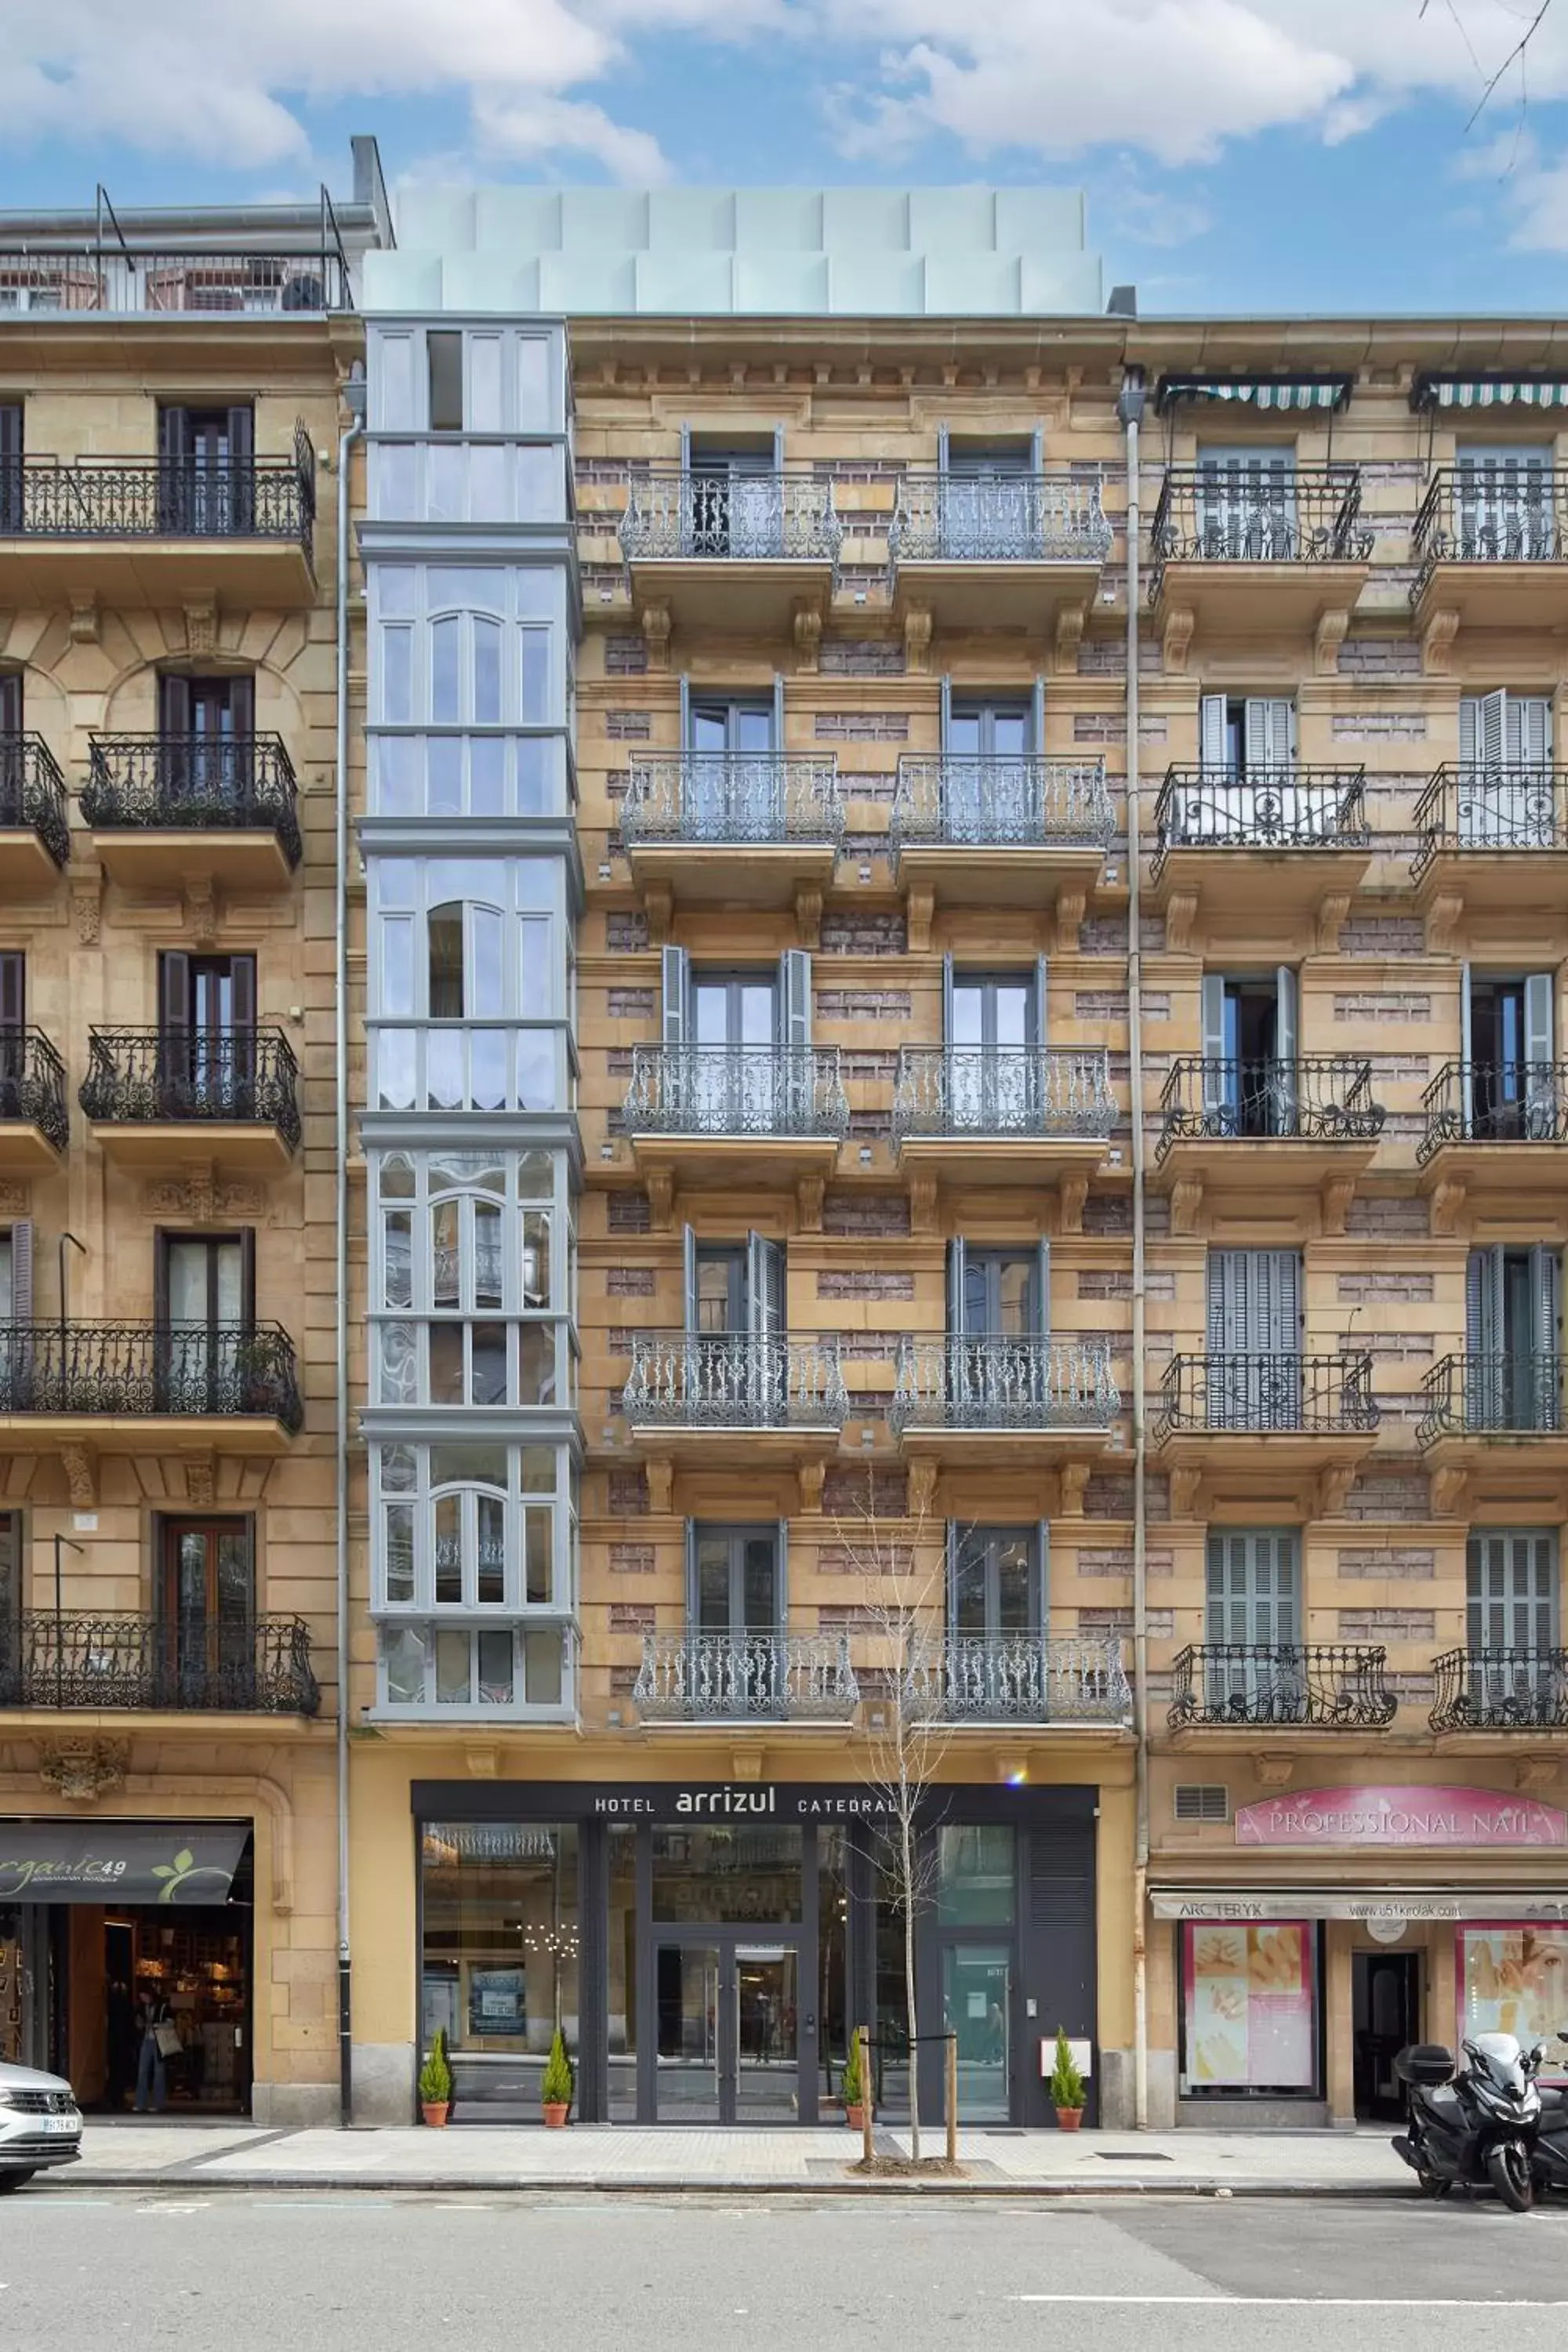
point(728, 2032)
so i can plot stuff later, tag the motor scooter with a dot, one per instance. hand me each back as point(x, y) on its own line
point(1549, 2155)
point(1475, 2125)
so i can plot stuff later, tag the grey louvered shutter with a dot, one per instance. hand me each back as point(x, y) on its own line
point(1545, 1398)
point(1219, 1079)
point(688, 1279)
point(686, 743)
point(957, 1304)
point(21, 1270)
point(794, 997)
point(778, 742)
point(1037, 719)
point(1040, 1583)
point(675, 969)
point(1486, 1377)
point(1043, 1289)
point(1540, 1077)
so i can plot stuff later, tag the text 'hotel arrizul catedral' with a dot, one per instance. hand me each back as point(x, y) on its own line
point(732, 1131)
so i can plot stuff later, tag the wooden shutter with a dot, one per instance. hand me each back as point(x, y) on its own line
point(242, 706)
point(688, 1279)
point(1219, 1080)
point(1269, 732)
point(764, 1288)
point(248, 1276)
point(1254, 1302)
point(242, 971)
point(957, 1301)
point(780, 1578)
point(173, 705)
point(21, 1269)
point(174, 431)
point(686, 743)
point(1043, 1289)
point(1483, 1302)
point(1540, 1093)
point(946, 700)
point(947, 1036)
point(1212, 737)
point(1040, 1583)
point(1545, 1299)
point(241, 435)
point(10, 702)
point(12, 991)
point(693, 1597)
point(1041, 1031)
point(778, 741)
point(1036, 743)
point(795, 996)
point(943, 449)
point(675, 969)
point(174, 989)
point(10, 431)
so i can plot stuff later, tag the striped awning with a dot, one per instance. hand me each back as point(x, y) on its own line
point(1330, 392)
point(1490, 392)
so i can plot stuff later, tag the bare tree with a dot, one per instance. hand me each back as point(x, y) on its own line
point(901, 1572)
point(1516, 56)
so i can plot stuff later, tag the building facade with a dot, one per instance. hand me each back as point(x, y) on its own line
point(169, 422)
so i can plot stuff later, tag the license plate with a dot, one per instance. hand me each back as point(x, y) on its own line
point(62, 2125)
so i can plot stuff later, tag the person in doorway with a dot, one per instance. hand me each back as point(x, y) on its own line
point(156, 2029)
point(120, 2044)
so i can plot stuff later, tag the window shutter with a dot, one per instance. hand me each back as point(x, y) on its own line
point(957, 1302)
point(764, 1288)
point(10, 700)
point(1041, 1031)
point(943, 449)
point(675, 969)
point(174, 431)
point(1043, 1289)
point(778, 741)
point(174, 989)
point(242, 970)
point(795, 996)
point(12, 991)
point(688, 1279)
point(1545, 1306)
point(241, 435)
point(693, 1597)
point(947, 1036)
point(242, 706)
point(781, 1580)
point(1041, 1597)
point(1483, 1302)
point(1491, 713)
point(11, 430)
point(1286, 1019)
point(248, 1276)
point(946, 711)
point(1268, 730)
point(1466, 1055)
point(1036, 449)
point(1036, 744)
point(1219, 1081)
point(685, 448)
point(1212, 735)
point(1530, 723)
point(1469, 713)
point(1222, 1317)
point(21, 1269)
point(174, 704)
point(686, 742)
point(1538, 1024)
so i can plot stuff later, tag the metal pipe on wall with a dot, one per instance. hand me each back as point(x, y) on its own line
point(353, 393)
point(1129, 408)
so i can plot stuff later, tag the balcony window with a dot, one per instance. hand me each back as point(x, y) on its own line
point(1511, 1082)
point(474, 1526)
point(993, 1024)
point(206, 481)
point(735, 1580)
point(206, 1598)
point(1247, 503)
point(468, 646)
point(735, 504)
point(11, 446)
point(1511, 1589)
point(736, 1058)
point(1251, 1043)
point(1514, 1364)
point(1507, 798)
point(1253, 1337)
point(1503, 509)
point(468, 984)
point(995, 1580)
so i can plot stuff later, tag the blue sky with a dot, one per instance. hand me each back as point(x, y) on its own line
point(1237, 154)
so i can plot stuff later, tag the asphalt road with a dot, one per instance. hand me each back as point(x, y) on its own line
point(232, 2272)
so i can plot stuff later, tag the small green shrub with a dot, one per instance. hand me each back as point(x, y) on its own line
point(1066, 2082)
point(854, 2091)
point(555, 2091)
point(436, 2075)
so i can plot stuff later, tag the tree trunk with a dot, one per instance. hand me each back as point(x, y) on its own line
point(907, 1860)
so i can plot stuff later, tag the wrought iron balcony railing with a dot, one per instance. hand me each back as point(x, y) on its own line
point(1255, 514)
point(959, 800)
point(33, 1085)
point(731, 517)
point(194, 783)
point(995, 1091)
point(252, 1665)
point(1252, 1394)
point(1501, 808)
point(1020, 1678)
point(238, 1076)
point(162, 498)
point(1493, 1395)
point(1499, 513)
point(1495, 1102)
point(1324, 1098)
point(731, 1380)
point(1500, 1690)
point(113, 277)
point(1000, 1383)
point(1323, 1686)
point(721, 799)
point(219, 1371)
point(998, 518)
point(33, 793)
point(780, 1091)
point(1272, 809)
point(741, 1678)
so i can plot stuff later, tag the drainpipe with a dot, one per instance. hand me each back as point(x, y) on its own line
point(353, 396)
point(1129, 408)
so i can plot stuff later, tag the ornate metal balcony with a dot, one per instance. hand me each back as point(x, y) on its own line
point(723, 518)
point(1245, 514)
point(745, 1677)
point(741, 1091)
point(998, 518)
point(983, 1091)
point(1500, 1690)
point(1514, 810)
point(192, 1076)
point(162, 497)
point(1494, 1395)
point(33, 1086)
point(1272, 809)
point(1495, 1102)
point(1024, 1384)
point(1020, 1678)
point(256, 1666)
point(730, 1380)
point(192, 784)
point(723, 800)
point(222, 1371)
point(1323, 1688)
point(1258, 1394)
point(33, 793)
point(1325, 1098)
point(1488, 514)
point(960, 802)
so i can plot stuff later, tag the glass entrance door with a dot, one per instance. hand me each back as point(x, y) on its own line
point(685, 1991)
point(729, 2032)
point(767, 2048)
point(977, 2000)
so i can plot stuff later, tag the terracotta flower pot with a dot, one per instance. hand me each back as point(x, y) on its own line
point(856, 2118)
point(1069, 2118)
point(435, 2112)
point(556, 2114)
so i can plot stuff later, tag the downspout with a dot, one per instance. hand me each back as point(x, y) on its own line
point(1129, 408)
point(353, 395)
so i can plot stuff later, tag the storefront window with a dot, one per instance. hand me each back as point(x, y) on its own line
point(1514, 1979)
point(975, 1873)
point(622, 1969)
point(1249, 2008)
point(501, 1956)
point(833, 1938)
point(722, 1873)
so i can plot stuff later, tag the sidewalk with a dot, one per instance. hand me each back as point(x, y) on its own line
point(603, 2157)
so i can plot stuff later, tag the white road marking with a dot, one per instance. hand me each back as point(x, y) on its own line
point(1316, 2302)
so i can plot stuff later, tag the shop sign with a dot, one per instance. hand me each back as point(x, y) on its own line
point(1400, 1816)
point(1393, 1906)
point(119, 1862)
point(730, 1803)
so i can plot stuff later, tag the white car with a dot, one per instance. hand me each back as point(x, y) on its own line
point(40, 2124)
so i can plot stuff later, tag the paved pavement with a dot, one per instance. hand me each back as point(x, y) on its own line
point(477, 2156)
point(193, 2271)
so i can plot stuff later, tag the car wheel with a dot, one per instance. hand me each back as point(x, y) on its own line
point(9, 2181)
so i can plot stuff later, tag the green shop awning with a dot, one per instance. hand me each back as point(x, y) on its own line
point(1490, 392)
point(1298, 392)
point(119, 1862)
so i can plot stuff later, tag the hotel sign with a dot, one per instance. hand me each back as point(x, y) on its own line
point(743, 1801)
point(1398, 1816)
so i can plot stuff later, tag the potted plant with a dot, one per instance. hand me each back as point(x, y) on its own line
point(436, 2084)
point(1067, 2086)
point(555, 2091)
point(853, 2089)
